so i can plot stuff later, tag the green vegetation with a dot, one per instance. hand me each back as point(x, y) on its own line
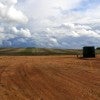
point(40, 51)
point(98, 51)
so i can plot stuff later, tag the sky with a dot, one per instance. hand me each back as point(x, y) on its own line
point(49, 23)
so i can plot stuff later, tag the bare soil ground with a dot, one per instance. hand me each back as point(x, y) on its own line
point(49, 78)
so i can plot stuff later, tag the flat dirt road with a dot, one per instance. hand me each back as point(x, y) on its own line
point(49, 78)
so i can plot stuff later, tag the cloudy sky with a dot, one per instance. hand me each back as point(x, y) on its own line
point(49, 23)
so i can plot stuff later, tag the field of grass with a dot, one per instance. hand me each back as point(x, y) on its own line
point(40, 51)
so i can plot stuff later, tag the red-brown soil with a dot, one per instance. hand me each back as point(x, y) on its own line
point(49, 78)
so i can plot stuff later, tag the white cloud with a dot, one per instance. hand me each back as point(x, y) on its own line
point(10, 13)
point(16, 15)
point(1, 29)
point(9, 2)
point(45, 8)
point(13, 33)
point(50, 23)
point(21, 32)
point(54, 41)
point(71, 29)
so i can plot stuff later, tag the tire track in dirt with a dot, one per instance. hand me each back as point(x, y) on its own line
point(2, 69)
point(72, 83)
point(50, 78)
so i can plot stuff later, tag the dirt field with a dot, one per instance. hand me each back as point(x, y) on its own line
point(49, 78)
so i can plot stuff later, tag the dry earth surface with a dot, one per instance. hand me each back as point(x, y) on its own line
point(49, 78)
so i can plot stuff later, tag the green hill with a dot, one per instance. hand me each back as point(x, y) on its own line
point(40, 51)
